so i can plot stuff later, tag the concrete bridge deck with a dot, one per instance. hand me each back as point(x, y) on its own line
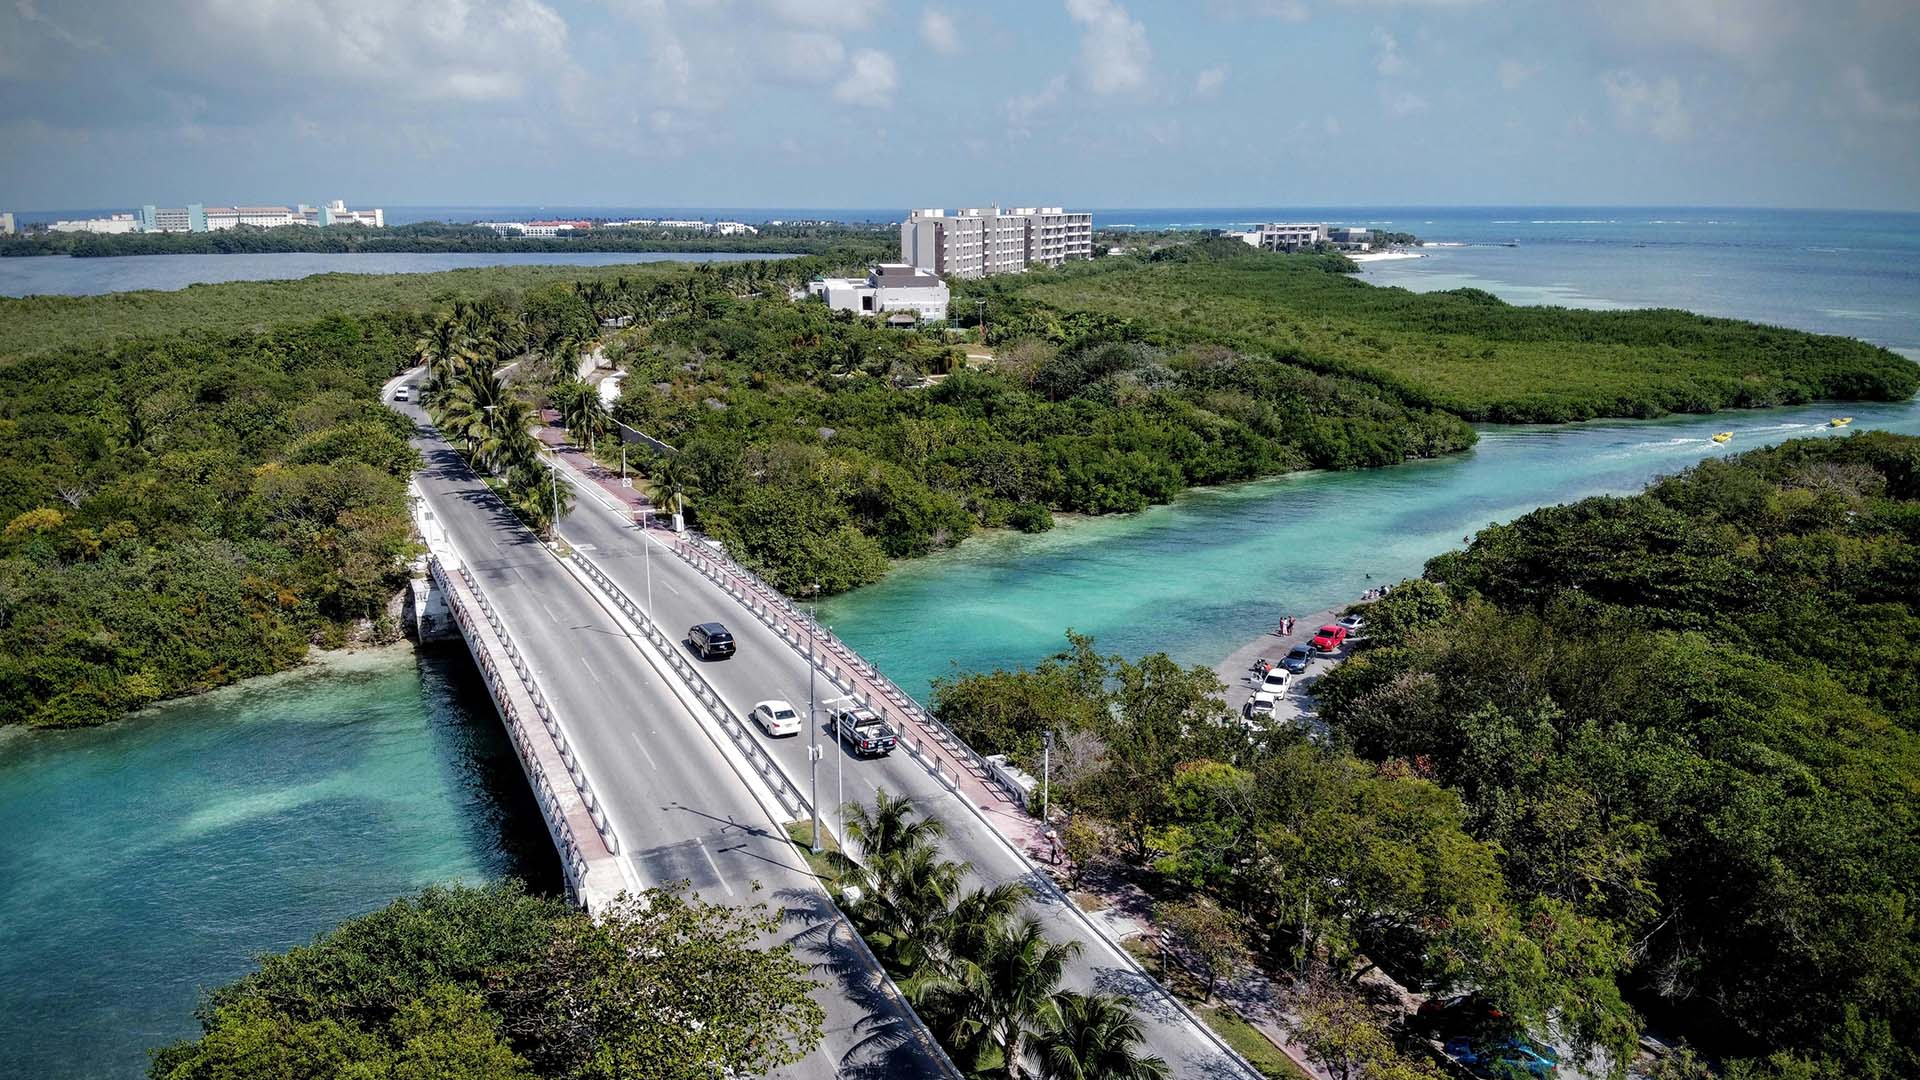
point(676, 804)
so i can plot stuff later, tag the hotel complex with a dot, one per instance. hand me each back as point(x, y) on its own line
point(979, 241)
point(196, 217)
point(1298, 236)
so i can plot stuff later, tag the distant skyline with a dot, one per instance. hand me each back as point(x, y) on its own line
point(857, 104)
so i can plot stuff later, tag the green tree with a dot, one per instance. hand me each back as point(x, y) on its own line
point(1095, 1037)
point(1207, 937)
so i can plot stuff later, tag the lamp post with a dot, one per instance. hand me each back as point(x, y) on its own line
point(813, 725)
point(553, 473)
point(1046, 771)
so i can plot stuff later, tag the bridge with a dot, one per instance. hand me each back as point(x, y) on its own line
point(675, 782)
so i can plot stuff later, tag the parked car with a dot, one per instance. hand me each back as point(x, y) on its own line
point(1329, 638)
point(1461, 1012)
point(776, 718)
point(1259, 706)
point(1297, 659)
point(1352, 623)
point(1276, 680)
point(865, 732)
point(1515, 1052)
point(711, 640)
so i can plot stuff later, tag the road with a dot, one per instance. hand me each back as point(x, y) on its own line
point(679, 809)
point(766, 667)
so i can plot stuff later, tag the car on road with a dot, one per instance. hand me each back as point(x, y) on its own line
point(1353, 624)
point(400, 394)
point(865, 732)
point(1276, 681)
point(1297, 659)
point(776, 718)
point(711, 640)
point(1260, 706)
point(1516, 1053)
point(1328, 638)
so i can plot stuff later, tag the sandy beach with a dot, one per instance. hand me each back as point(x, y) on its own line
point(1384, 256)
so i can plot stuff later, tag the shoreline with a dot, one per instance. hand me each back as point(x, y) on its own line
point(1237, 672)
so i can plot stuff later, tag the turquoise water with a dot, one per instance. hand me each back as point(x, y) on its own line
point(146, 861)
point(1209, 572)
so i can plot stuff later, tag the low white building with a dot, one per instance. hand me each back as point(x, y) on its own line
point(118, 223)
point(734, 228)
point(888, 288)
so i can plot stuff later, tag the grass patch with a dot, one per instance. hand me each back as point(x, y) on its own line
point(1247, 1040)
point(1242, 1036)
point(801, 833)
point(1087, 901)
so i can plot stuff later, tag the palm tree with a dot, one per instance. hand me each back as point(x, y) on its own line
point(669, 483)
point(892, 825)
point(1006, 994)
point(1093, 1037)
point(536, 494)
point(439, 345)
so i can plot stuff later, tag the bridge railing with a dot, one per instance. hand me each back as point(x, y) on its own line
point(555, 730)
point(834, 658)
point(573, 859)
point(736, 728)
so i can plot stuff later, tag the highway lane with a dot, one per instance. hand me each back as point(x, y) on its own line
point(677, 806)
point(767, 667)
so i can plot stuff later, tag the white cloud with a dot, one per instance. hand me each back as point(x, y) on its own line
point(938, 31)
point(448, 50)
point(1209, 82)
point(833, 14)
point(1023, 108)
point(1386, 53)
point(1113, 51)
point(1514, 73)
point(1284, 10)
point(1332, 125)
point(1652, 107)
point(1870, 101)
point(870, 81)
point(806, 57)
point(1401, 103)
point(1743, 29)
point(1411, 3)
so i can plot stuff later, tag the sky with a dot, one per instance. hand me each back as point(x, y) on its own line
point(896, 103)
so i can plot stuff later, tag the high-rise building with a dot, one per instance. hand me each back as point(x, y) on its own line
point(977, 241)
point(189, 218)
point(6, 223)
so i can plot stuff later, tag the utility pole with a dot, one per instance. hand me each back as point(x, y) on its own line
point(646, 541)
point(553, 472)
point(840, 778)
point(813, 728)
point(623, 459)
point(980, 307)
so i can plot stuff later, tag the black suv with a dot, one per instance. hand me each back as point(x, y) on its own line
point(711, 641)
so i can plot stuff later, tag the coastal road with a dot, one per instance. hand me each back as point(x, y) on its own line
point(680, 810)
point(765, 667)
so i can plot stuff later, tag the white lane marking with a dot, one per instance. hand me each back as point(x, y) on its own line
point(669, 587)
point(590, 671)
point(715, 865)
point(548, 610)
point(641, 743)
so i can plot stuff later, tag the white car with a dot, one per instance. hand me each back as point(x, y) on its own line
point(1276, 681)
point(400, 394)
point(1353, 623)
point(1260, 706)
point(776, 718)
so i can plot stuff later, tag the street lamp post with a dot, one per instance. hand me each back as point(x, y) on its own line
point(553, 473)
point(813, 728)
point(1046, 772)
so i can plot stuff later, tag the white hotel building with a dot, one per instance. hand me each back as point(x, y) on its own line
point(978, 241)
point(891, 289)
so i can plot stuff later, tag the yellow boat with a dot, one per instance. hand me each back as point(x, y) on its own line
point(1723, 436)
point(1840, 421)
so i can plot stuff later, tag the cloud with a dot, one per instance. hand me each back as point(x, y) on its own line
point(1411, 3)
point(832, 14)
point(938, 31)
point(1284, 10)
point(1208, 82)
point(870, 81)
point(1332, 125)
point(1742, 29)
point(1113, 50)
point(806, 57)
point(1401, 103)
point(1386, 53)
point(1514, 74)
point(1869, 100)
point(1652, 107)
point(1023, 108)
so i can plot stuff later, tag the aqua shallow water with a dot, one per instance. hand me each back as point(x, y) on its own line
point(146, 861)
point(1202, 576)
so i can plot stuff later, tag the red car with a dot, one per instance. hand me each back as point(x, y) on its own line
point(1329, 638)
